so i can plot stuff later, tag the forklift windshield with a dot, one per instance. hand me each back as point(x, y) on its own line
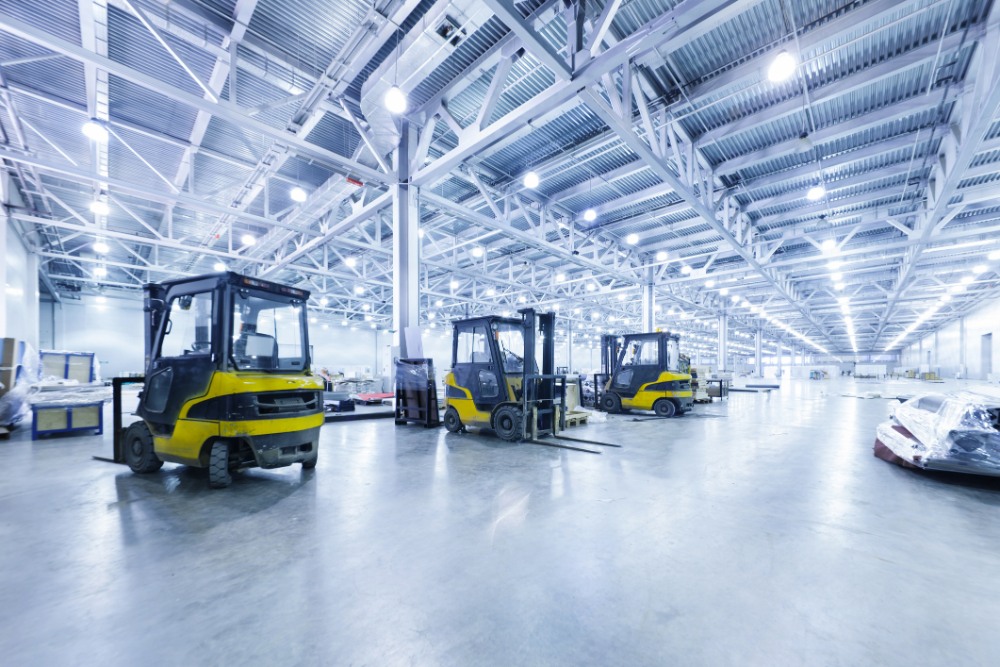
point(510, 341)
point(268, 332)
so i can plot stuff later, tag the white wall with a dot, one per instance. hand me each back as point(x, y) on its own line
point(959, 344)
point(339, 349)
point(19, 302)
point(113, 330)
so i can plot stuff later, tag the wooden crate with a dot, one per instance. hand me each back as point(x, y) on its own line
point(576, 418)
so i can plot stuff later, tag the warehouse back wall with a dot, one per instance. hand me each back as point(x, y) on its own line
point(964, 346)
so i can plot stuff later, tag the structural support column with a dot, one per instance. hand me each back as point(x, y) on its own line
point(569, 346)
point(405, 242)
point(647, 302)
point(781, 354)
point(723, 341)
point(759, 352)
point(4, 233)
point(961, 347)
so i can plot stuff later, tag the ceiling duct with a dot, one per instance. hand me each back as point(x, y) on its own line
point(441, 30)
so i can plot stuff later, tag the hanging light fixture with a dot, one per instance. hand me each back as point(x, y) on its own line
point(531, 180)
point(590, 215)
point(95, 130)
point(816, 193)
point(100, 247)
point(395, 99)
point(98, 207)
point(298, 195)
point(782, 67)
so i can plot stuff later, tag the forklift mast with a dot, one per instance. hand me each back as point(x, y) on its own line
point(611, 345)
point(539, 389)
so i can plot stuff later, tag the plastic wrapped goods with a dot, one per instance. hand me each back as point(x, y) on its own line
point(955, 432)
point(413, 373)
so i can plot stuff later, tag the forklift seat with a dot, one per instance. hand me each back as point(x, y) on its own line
point(261, 346)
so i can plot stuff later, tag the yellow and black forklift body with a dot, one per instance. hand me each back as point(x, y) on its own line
point(228, 383)
point(493, 362)
point(495, 383)
point(644, 372)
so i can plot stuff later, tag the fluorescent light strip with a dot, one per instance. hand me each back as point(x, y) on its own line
point(926, 315)
point(958, 246)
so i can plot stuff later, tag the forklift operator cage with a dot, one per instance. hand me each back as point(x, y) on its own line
point(230, 321)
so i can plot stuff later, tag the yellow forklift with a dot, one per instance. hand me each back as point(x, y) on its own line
point(227, 383)
point(644, 371)
point(494, 381)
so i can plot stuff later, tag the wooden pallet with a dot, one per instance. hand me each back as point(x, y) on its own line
point(576, 418)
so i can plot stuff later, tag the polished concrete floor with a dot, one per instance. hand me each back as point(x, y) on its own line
point(761, 531)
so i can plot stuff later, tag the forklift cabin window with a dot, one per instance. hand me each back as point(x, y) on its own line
point(189, 326)
point(472, 348)
point(510, 341)
point(268, 332)
point(642, 353)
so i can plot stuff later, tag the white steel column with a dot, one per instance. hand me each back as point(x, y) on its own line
point(5, 232)
point(759, 352)
point(647, 302)
point(723, 341)
point(569, 346)
point(961, 347)
point(405, 241)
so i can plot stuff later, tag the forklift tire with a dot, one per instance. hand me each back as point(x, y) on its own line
point(611, 403)
point(139, 452)
point(309, 464)
point(452, 421)
point(507, 422)
point(665, 408)
point(218, 465)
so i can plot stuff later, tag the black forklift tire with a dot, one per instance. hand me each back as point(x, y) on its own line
point(507, 423)
point(138, 448)
point(452, 422)
point(665, 408)
point(611, 402)
point(218, 465)
point(310, 464)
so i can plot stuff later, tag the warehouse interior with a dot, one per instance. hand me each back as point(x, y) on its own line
point(804, 194)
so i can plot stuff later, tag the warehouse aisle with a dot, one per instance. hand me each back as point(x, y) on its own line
point(725, 537)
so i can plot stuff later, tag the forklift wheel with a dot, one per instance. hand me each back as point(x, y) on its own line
point(309, 464)
point(611, 403)
point(452, 421)
point(139, 452)
point(665, 408)
point(218, 465)
point(508, 423)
